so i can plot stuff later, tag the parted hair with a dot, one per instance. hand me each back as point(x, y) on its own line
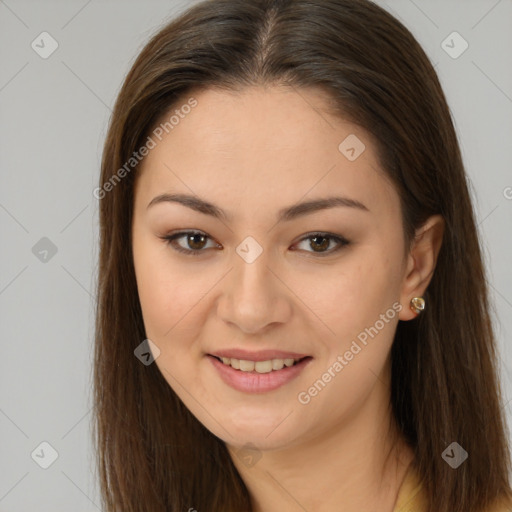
point(152, 454)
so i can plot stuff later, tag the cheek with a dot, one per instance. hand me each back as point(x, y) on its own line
point(168, 294)
point(353, 294)
point(356, 304)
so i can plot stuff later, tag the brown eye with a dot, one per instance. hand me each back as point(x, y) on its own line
point(193, 245)
point(196, 242)
point(320, 243)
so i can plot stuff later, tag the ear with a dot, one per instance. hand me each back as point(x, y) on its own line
point(420, 263)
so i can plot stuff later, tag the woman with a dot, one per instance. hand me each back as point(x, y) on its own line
point(292, 306)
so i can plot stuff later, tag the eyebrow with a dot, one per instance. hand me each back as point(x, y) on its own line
point(285, 214)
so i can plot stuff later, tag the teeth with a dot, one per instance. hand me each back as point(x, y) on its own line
point(258, 366)
point(246, 366)
point(263, 366)
point(277, 364)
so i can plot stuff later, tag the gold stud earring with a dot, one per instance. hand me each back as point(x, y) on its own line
point(417, 304)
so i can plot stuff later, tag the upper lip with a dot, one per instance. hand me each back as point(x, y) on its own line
point(261, 355)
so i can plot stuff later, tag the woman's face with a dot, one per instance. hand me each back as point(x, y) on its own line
point(268, 274)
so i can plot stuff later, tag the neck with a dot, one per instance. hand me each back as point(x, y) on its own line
point(357, 465)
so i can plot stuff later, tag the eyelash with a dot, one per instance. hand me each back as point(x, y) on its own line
point(169, 239)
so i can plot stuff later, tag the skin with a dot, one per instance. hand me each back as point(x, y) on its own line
point(252, 153)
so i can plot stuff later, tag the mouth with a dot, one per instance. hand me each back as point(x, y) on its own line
point(268, 366)
point(258, 376)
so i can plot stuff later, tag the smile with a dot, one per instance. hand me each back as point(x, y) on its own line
point(258, 376)
point(258, 366)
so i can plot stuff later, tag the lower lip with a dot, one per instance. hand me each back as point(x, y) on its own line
point(253, 382)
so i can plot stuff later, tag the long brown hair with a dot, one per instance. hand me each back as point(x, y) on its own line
point(152, 453)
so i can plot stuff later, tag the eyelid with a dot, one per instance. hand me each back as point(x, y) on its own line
point(341, 241)
point(171, 237)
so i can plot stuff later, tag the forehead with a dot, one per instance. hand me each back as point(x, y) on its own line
point(270, 146)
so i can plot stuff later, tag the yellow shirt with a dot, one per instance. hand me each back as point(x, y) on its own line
point(412, 497)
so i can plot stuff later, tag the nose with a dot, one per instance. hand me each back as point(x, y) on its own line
point(254, 296)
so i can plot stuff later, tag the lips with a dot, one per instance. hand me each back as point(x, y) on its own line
point(254, 381)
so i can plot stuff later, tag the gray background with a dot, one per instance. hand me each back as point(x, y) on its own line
point(53, 119)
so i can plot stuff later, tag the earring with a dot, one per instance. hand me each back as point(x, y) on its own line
point(417, 304)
